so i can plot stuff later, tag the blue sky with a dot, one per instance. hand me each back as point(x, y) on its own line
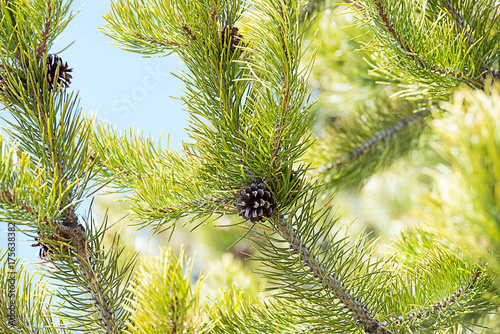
point(120, 87)
point(123, 88)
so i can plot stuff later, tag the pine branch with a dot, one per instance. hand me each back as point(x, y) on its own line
point(443, 285)
point(440, 305)
point(8, 196)
point(96, 283)
point(150, 31)
point(70, 229)
point(131, 161)
point(53, 234)
point(50, 130)
point(273, 64)
point(240, 135)
point(75, 236)
point(25, 193)
point(122, 159)
point(370, 144)
point(367, 141)
point(469, 130)
point(454, 12)
point(175, 306)
point(419, 59)
point(329, 281)
point(316, 268)
point(79, 242)
point(224, 96)
point(233, 312)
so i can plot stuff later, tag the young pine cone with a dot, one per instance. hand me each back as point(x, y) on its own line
point(231, 40)
point(57, 72)
point(44, 249)
point(255, 202)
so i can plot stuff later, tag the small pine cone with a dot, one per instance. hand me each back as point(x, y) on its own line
point(64, 77)
point(255, 202)
point(61, 233)
point(231, 39)
point(44, 249)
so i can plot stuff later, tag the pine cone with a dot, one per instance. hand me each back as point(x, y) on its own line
point(61, 233)
point(255, 202)
point(63, 77)
point(44, 250)
point(230, 39)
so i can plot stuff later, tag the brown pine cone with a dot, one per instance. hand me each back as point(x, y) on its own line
point(255, 202)
point(55, 77)
point(231, 39)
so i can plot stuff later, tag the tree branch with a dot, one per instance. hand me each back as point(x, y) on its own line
point(448, 5)
point(413, 55)
point(426, 311)
point(370, 144)
point(330, 281)
point(78, 240)
point(9, 197)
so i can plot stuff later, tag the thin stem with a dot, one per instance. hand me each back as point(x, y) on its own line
point(284, 96)
point(197, 203)
point(42, 47)
point(154, 41)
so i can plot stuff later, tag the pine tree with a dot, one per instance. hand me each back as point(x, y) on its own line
point(254, 155)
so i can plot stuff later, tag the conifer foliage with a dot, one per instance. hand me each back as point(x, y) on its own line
point(253, 156)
